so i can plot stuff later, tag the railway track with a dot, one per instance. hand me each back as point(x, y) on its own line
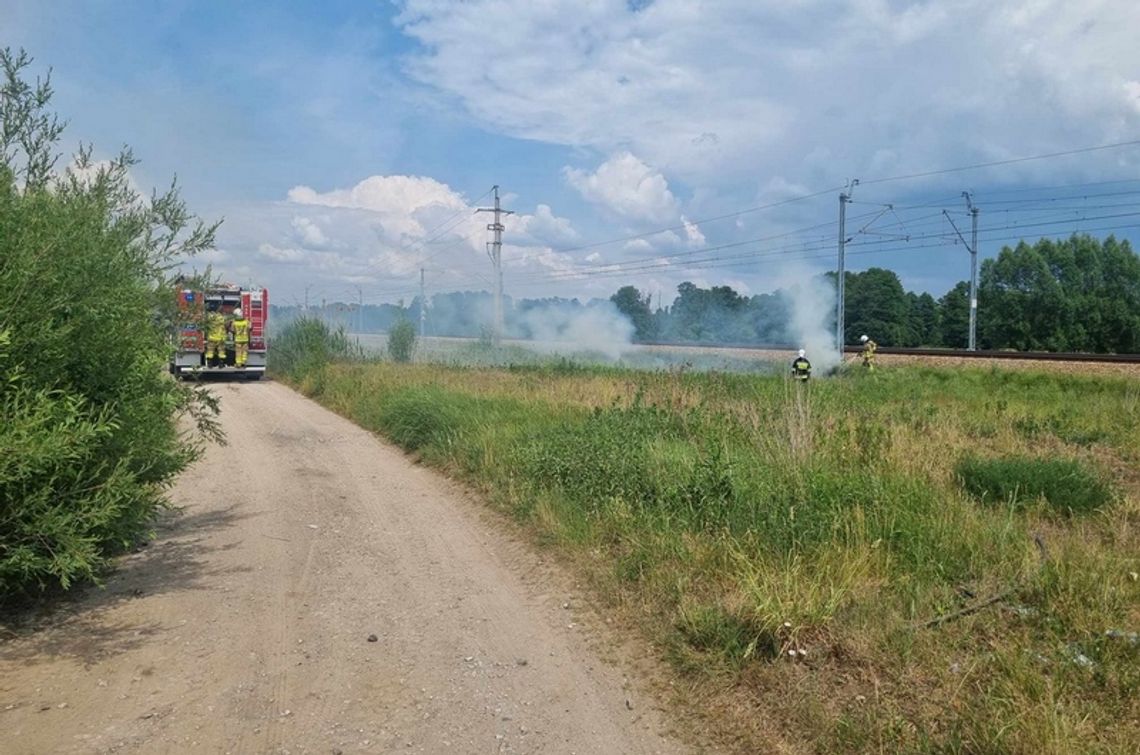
point(1040, 356)
point(1029, 356)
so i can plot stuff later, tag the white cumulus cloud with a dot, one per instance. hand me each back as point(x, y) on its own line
point(406, 206)
point(309, 234)
point(628, 187)
point(272, 253)
point(693, 235)
point(543, 226)
point(379, 232)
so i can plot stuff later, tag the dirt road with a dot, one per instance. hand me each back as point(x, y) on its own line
point(320, 593)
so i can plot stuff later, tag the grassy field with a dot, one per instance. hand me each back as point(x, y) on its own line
point(915, 560)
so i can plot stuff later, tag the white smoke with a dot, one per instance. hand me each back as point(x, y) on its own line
point(812, 316)
point(598, 327)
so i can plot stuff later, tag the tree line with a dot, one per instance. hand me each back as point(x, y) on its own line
point(1076, 294)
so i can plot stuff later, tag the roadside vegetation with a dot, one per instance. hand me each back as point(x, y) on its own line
point(89, 438)
point(917, 560)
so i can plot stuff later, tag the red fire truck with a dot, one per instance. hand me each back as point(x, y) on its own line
point(189, 354)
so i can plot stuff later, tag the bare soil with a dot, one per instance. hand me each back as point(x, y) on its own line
point(319, 592)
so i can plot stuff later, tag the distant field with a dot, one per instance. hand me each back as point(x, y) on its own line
point(436, 348)
point(468, 351)
point(922, 559)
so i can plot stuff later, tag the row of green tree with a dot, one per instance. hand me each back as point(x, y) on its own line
point(89, 438)
point(1077, 294)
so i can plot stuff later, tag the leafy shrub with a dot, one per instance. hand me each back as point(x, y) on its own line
point(1067, 484)
point(88, 436)
point(402, 341)
point(62, 502)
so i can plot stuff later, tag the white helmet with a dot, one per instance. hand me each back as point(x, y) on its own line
point(864, 339)
point(237, 313)
point(802, 352)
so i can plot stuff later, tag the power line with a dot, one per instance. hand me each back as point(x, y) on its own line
point(827, 252)
point(1001, 192)
point(946, 240)
point(434, 233)
point(449, 223)
point(699, 259)
point(830, 254)
point(873, 181)
point(997, 163)
point(621, 268)
point(683, 226)
point(707, 249)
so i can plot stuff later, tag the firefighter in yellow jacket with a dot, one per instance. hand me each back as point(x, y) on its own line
point(215, 337)
point(868, 353)
point(240, 328)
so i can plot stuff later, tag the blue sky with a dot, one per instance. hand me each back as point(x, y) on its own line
point(346, 144)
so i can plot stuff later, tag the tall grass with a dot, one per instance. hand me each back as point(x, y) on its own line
point(1068, 485)
point(787, 545)
point(307, 345)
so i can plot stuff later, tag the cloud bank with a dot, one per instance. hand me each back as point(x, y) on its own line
point(804, 90)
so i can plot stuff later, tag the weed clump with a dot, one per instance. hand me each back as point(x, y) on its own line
point(402, 341)
point(713, 633)
point(1068, 485)
point(417, 417)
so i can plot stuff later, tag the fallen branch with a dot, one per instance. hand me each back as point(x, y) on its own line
point(967, 610)
point(1044, 553)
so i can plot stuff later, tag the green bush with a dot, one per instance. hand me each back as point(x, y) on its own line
point(306, 345)
point(88, 417)
point(402, 341)
point(1067, 484)
point(64, 501)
